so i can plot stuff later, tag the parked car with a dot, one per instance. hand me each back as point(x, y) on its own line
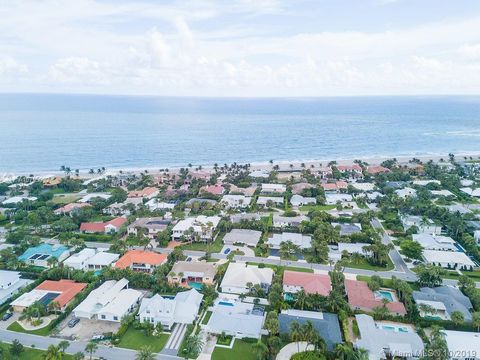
point(226, 251)
point(98, 337)
point(7, 316)
point(189, 259)
point(73, 322)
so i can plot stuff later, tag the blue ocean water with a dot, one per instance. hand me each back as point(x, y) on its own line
point(43, 132)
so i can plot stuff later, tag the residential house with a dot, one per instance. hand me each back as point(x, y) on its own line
point(111, 301)
point(10, 284)
point(61, 291)
point(423, 225)
point(448, 259)
point(280, 221)
point(295, 281)
point(39, 255)
point(242, 236)
point(150, 226)
point(435, 242)
point(70, 209)
point(377, 169)
point(347, 229)
point(298, 188)
point(216, 189)
point(406, 193)
point(156, 204)
point(302, 241)
point(101, 260)
point(192, 273)
point(236, 201)
point(239, 275)
point(273, 188)
point(201, 227)
point(146, 193)
point(78, 260)
point(298, 200)
point(107, 227)
point(88, 198)
point(443, 300)
point(236, 318)
point(326, 324)
point(360, 297)
point(238, 218)
point(333, 199)
point(249, 191)
point(141, 260)
point(462, 345)
point(387, 340)
point(269, 201)
point(182, 309)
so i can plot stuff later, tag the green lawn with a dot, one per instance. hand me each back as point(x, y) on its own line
point(65, 199)
point(135, 339)
point(475, 275)
point(364, 264)
point(31, 354)
point(388, 282)
point(241, 351)
point(214, 247)
point(206, 317)
point(291, 268)
point(18, 328)
point(317, 207)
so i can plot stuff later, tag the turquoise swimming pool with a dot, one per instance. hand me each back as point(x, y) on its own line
point(195, 285)
point(384, 294)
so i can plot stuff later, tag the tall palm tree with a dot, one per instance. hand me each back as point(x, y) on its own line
point(91, 348)
point(296, 333)
point(301, 299)
point(53, 353)
point(260, 349)
point(344, 351)
point(193, 346)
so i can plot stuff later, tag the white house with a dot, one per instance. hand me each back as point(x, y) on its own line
point(273, 188)
point(109, 302)
point(463, 345)
point(423, 225)
point(90, 196)
point(299, 200)
point(236, 201)
point(156, 204)
point(202, 226)
point(406, 192)
point(448, 259)
point(238, 275)
point(284, 221)
point(10, 284)
point(266, 200)
point(182, 309)
point(300, 240)
point(435, 242)
point(100, 260)
point(332, 199)
point(78, 260)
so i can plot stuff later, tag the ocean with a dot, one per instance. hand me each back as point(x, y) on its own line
point(40, 133)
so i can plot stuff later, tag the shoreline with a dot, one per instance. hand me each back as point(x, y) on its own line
point(254, 166)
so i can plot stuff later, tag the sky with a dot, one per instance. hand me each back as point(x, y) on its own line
point(244, 48)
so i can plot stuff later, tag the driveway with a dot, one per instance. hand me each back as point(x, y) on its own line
point(86, 328)
point(246, 250)
point(291, 349)
point(5, 324)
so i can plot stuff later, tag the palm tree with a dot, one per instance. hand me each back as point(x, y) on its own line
point(16, 348)
point(193, 346)
point(301, 299)
point(344, 351)
point(145, 353)
point(296, 333)
point(53, 353)
point(260, 349)
point(78, 356)
point(91, 348)
point(63, 345)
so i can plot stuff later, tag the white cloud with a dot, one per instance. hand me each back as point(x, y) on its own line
point(9, 67)
point(80, 70)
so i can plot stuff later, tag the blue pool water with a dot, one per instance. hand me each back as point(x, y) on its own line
point(384, 295)
point(225, 303)
point(195, 285)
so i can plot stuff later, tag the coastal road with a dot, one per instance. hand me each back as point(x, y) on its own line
point(42, 343)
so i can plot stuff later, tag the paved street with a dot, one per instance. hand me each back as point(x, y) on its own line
point(42, 342)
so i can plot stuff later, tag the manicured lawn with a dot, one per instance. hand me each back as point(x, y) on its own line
point(291, 268)
point(475, 275)
point(18, 328)
point(65, 199)
point(135, 339)
point(32, 354)
point(317, 207)
point(213, 247)
point(241, 351)
point(387, 282)
point(364, 264)
point(206, 317)
point(227, 341)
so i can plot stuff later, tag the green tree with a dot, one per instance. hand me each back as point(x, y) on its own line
point(296, 333)
point(53, 353)
point(436, 347)
point(91, 348)
point(193, 346)
point(145, 353)
point(260, 350)
point(429, 275)
point(457, 317)
point(411, 249)
point(476, 320)
point(16, 349)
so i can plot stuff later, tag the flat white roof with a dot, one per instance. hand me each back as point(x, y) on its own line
point(463, 342)
point(239, 274)
point(451, 257)
point(103, 258)
point(80, 257)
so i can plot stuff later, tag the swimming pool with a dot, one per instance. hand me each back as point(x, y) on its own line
point(288, 297)
point(195, 285)
point(395, 328)
point(384, 294)
point(225, 303)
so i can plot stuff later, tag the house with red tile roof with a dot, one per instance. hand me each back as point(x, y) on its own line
point(147, 193)
point(352, 168)
point(360, 297)
point(103, 227)
point(141, 260)
point(61, 291)
point(294, 281)
point(336, 186)
point(69, 208)
point(373, 170)
point(216, 189)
